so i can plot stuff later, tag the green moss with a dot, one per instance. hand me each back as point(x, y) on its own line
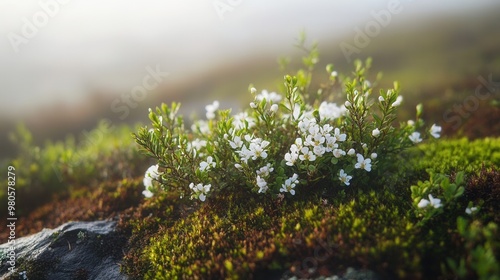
point(239, 237)
point(451, 155)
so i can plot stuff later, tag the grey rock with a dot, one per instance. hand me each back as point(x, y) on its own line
point(350, 274)
point(75, 250)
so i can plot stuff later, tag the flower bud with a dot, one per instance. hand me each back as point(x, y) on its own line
point(376, 132)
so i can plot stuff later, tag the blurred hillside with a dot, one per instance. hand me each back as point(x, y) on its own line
point(438, 62)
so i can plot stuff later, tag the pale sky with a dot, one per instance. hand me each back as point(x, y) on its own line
point(108, 43)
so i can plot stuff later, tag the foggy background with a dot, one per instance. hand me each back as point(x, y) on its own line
point(84, 56)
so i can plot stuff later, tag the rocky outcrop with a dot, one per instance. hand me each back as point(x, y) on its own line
point(75, 250)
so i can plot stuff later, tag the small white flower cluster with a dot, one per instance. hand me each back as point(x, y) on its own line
point(290, 184)
point(435, 131)
point(208, 164)
point(250, 148)
point(195, 146)
point(243, 120)
point(262, 174)
point(254, 148)
point(272, 97)
point(315, 142)
point(150, 175)
point(330, 111)
point(470, 210)
point(199, 191)
point(211, 108)
point(434, 202)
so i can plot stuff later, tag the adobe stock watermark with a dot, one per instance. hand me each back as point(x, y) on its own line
point(128, 101)
point(470, 104)
point(223, 6)
point(372, 28)
point(31, 27)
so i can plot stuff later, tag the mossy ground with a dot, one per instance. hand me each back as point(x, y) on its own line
point(252, 236)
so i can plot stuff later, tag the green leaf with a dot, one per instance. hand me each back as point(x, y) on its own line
point(460, 191)
point(461, 225)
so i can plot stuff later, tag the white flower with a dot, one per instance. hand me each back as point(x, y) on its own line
point(326, 129)
point(363, 163)
point(347, 103)
point(253, 90)
point(241, 120)
point(272, 97)
point(274, 108)
point(201, 126)
point(153, 172)
point(297, 112)
point(298, 143)
point(435, 131)
point(376, 132)
point(307, 155)
point(211, 108)
point(236, 143)
point(398, 101)
point(147, 182)
point(330, 143)
point(340, 137)
point(147, 193)
point(330, 111)
point(199, 191)
point(265, 170)
point(373, 155)
point(334, 74)
point(262, 184)
point(291, 158)
point(410, 122)
point(245, 154)
point(319, 150)
point(253, 105)
point(257, 148)
point(470, 210)
point(338, 153)
point(306, 123)
point(290, 184)
point(206, 165)
point(434, 202)
point(415, 137)
point(344, 178)
point(197, 144)
point(351, 152)
point(381, 98)
point(150, 175)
